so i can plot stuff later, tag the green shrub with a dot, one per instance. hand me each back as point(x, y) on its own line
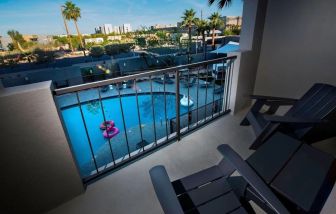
point(97, 51)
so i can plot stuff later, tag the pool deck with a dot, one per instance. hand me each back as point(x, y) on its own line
point(144, 87)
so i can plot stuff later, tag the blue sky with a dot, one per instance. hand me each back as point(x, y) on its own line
point(43, 16)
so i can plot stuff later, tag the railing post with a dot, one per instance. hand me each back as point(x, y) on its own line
point(177, 91)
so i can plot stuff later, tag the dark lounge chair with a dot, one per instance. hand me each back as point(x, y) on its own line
point(311, 118)
point(187, 83)
point(165, 79)
point(282, 176)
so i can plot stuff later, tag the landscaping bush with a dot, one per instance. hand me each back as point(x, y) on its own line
point(97, 51)
point(113, 49)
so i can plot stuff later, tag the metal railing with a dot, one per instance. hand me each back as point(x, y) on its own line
point(147, 108)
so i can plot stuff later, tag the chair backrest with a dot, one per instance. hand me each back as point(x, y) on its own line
point(319, 102)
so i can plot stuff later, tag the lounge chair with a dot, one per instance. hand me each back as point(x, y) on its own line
point(165, 79)
point(311, 118)
point(282, 176)
point(219, 90)
point(104, 88)
point(206, 84)
point(187, 83)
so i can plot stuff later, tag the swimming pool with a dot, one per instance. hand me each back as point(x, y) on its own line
point(93, 118)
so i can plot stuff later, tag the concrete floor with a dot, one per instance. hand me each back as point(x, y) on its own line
point(129, 190)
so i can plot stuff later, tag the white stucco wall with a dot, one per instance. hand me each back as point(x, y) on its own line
point(37, 168)
point(298, 47)
point(245, 68)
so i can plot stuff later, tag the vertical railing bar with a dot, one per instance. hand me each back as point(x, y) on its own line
point(123, 118)
point(222, 85)
point(197, 96)
point(227, 80)
point(213, 97)
point(139, 119)
point(228, 88)
point(86, 132)
point(188, 97)
point(165, 106)
point(177, 91)
point(206, 93)
point(153, 111)
point(230, 81)
point(225, 86)
point(109, 140)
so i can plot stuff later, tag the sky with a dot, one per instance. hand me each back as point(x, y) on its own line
point(44, 17)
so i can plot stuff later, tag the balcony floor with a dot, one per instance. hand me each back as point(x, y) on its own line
point(129, 190)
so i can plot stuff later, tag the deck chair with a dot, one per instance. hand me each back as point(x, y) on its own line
point(188, 83)
point(165, 79)
point(282, 176)
point(311, 118)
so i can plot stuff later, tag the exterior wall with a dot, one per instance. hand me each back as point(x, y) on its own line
point(71, 74)
point(245, 67)
point(298, 47)
point(38, 171)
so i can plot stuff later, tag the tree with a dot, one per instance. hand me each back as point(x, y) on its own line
point(201, 27)
point(215, 23)
point(72, 12)
point(17, 39)
point(66, 28)
point(188, 20)
point(221, 3)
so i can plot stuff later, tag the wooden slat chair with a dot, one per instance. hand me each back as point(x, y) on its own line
point(282, 176)
point(311, 118)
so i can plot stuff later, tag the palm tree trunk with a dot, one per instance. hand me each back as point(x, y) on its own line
point(68, 35)
point(20, 47)
point(67, 30)
point(213, 38)
point(79, 35)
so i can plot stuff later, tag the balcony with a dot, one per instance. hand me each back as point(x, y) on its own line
point(130, 190)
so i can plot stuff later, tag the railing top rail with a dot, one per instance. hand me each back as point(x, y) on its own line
point(135, 76)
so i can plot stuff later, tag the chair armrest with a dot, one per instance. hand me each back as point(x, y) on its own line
point(164, 190)
point(270, 98)
point(252, 178)
point(292, 120)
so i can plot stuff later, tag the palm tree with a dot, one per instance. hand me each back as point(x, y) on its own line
point(188, 20)
point(16, 38)
point(72, 12)
point(66, 28)
point(221, 3)
point(201, 27)
point(215, 23)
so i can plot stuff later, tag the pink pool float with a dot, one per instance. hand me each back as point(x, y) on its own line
point(109, 129)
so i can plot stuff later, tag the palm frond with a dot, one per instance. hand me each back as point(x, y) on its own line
point(221, 3)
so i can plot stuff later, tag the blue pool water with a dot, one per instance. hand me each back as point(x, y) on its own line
point(93, 117)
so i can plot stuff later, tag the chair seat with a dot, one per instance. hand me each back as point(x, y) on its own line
point(309, 169)
point(269, 159)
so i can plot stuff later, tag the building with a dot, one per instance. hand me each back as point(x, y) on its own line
point(232, 21)
point(126, 28)
point(113, 38)
point(104, 29)
point(116, 29)
point(98, 40)
point(30, 38)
